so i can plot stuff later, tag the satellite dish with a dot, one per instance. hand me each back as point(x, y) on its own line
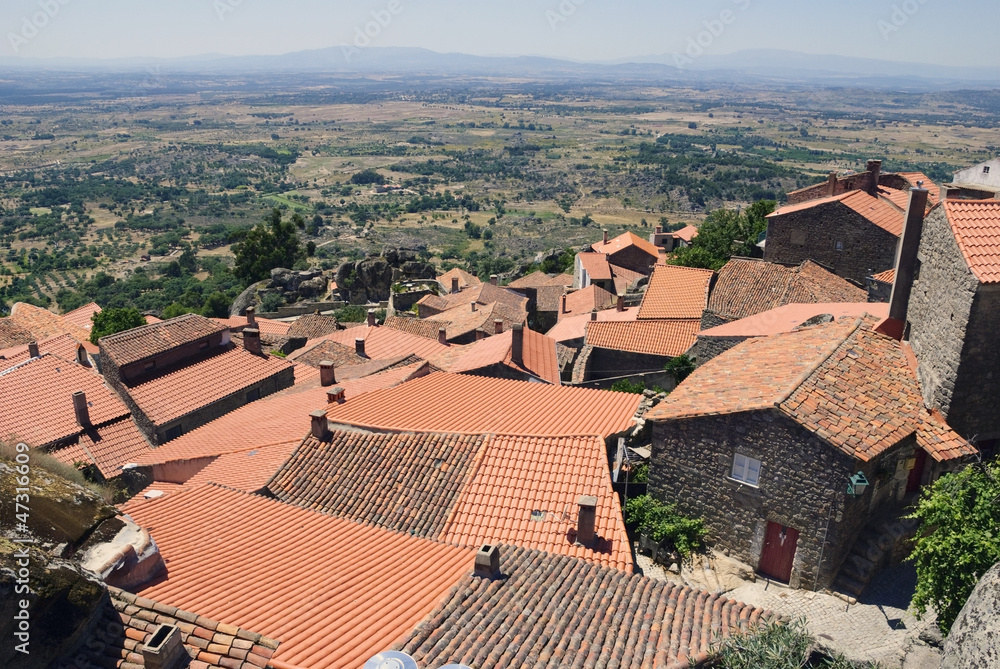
point(391, 659)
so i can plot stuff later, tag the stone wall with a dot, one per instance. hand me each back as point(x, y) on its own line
point(815, 233)
point(707, 348)
point(803, 485)
point(710, 319)
point(606, 363)
point(975, 405)
point(635, 259)
point(939, 311)
point(878, 291)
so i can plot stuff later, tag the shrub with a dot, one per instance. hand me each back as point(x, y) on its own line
point(271, 301)
point(662, 522)
point(626, 386)
point(777, 645)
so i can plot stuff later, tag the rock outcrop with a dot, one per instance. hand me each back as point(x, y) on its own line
point(291, 285)
point(370, 280)
point(974, 640)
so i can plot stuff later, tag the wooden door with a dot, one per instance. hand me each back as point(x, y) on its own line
point(917, 473)
point(779, 551)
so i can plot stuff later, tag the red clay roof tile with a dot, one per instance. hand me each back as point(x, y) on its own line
point(539, 357)
point(587, 299)
point(313, 326)
point(596, 265)
point(879, 212)
point(82, 317)
point(147, 341)
point(108, 447)
point(380, 343)
point(976, 226)
point(575, 327)
point(465, 280)
point(12, 334)
point(62, 346)
point(265, 325)
point(791, 316)
point(676, 292)
point(44, 324)
point(461, 320)
point(665, 337)
point(624, 241)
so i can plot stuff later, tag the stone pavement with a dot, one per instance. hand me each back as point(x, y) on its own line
point(877, 628)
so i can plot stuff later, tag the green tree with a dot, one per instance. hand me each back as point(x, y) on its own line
point(959, 539)
point(367, 177)
point(266, 247)
point(216, 306)
point(724, 234)
point(110, 321)
point(174, 310)
point(680, 367)
point(310, 248)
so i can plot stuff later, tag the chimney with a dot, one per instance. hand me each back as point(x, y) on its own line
point(164, 649)
point(319, 426)
point(33, 349)
point(605, 236)
point(831, 184)
point(517, 345)
point(336, 395)
point(442, 336)
point(81, 356)
point(80, 409)
point(251, 317)
point(875, 171)
point(359, 346)
point(498, 326)
point(473, 306)
point(371, 318)
point(487, 562)
point(906, 256)
point(585, 532)
point(620, 303)
point(494, 279)
point(454, 284)
point(327, 373)
point(251, 340)
point(480, 334)
point(593, 315)
point(659, 229)
point(562, 308)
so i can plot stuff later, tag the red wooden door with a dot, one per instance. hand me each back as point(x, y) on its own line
point(779, 551)
point(917, 473)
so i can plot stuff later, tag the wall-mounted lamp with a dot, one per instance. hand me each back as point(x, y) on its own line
point(857, 484)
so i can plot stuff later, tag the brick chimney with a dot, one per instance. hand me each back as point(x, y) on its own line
point(359, 346)
point(164, 649)
point(562, 305)
point(33, 349)
point(620, 303)
point(659, 229)
point(371, 318)
point(81, 409)
point(442, 336)
point(498, 326)
point(517, 345)
point(327, 373)
point(336, 395)
point(319, 425)
point(494, 279)
point(587, 521)
point(906, 257)
point(875, 171)
point(251, 341)
point(487, 562)
point(605, 236)
point(480, 334)
point(473, 305)
point(454, 284)
point(251, 317)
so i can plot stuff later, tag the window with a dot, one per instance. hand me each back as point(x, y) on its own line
point(840, 246)
point(986, 169)
point(746, 470)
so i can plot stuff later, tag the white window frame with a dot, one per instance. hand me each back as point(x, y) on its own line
point(746, 470)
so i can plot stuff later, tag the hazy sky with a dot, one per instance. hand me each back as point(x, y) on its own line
point(929, 31)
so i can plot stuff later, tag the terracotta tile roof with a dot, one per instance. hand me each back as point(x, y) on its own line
point(413, 326)
point(406, 482)
point(465, 280)
point(36, 400)
point(108, 447)
point(624, 241)
point(587, 299)
point(312, 326)
point(575, 327)
point(278, 418)
point(940, 441)
point(265, 325)
point(462, 320)
point(485, 293)
point(335, 593)
point(625, 277)
point(125, 622)
point(976, 226)
point(596, 265)
point(888, 276)
point(12, 334)
point(791, 316)
point(538, 351)
point(43, 324)
point(339, 354)
point(549, 298)
point(380, 343)
point(660, 337)
point(525, 491)
point(62, 346)
point(746, 287)
point(147, 341)
point(934, 190)
point(676, 292)
point(198, 382)
point(538, 279)
point(556, 611)
point(82, 316)
point(443, 402)
point(879, 212)
point(687, 233)
point(151, 319)
point(848, 385)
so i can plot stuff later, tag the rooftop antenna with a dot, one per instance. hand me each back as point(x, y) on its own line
point(391, 659)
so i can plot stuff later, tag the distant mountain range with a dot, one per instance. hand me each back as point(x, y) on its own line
point(746, 66)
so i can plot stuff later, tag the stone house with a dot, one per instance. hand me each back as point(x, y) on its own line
point(629, 251)
point(954, 316)
point(181, 373)
point(983, 178)
point(764, 441)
